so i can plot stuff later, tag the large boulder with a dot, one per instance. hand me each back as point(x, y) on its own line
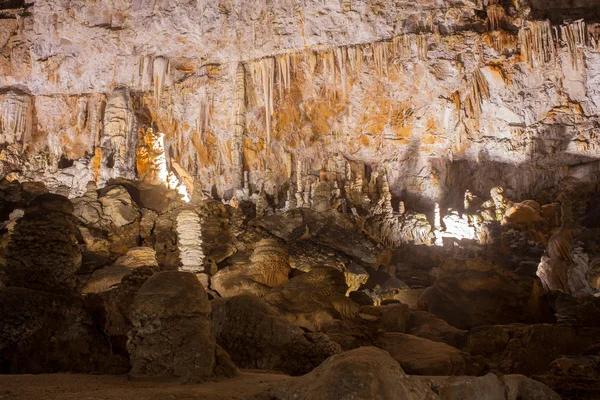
point(171, 331)
point(268, 267)
point(256, 337)
point(419, 356)
point(467, 299)
point(43, 252)
point(366, 373)
point(312, 299)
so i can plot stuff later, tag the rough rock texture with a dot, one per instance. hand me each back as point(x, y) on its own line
point(171, 331)
point(43, 252)
point(268, 267)
point(313, 298)
point(366, 373)
point(492, 387)
point(256, 337)
point(472, 298)
point(503, 346)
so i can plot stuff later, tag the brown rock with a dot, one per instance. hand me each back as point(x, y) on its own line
point(314, 298)
point(421, 356)
point(171, 331)
point(256, 337)
point(366, 373)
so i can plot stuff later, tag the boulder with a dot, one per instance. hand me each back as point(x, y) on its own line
point(503, 345)
point(388, 318)
point(112, 309)
point(430, 327)
point(171, 331)
point(268, 268)
point(421, 356)
point(574, 377)
point(314, 298)
point(466, 299)
point(43, 252)
point(105, 278)
point(366, 373)
point(43, 332)
point(256, 337)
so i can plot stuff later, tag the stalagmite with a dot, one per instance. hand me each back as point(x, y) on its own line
point(160, 68)
point(237, 147)
point(401, 208)
point(437, 217)
point(189, 241)
point(16, 120)
point(116, 135)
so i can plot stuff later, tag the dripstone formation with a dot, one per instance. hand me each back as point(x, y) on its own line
point(300, 199)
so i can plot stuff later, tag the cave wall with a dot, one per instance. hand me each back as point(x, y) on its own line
point(441, 95)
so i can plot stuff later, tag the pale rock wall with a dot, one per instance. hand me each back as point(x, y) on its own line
point(442, 95)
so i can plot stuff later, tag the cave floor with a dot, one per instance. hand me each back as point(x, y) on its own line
point(109, 387)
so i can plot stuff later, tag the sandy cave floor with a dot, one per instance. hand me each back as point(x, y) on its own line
point(109, 387)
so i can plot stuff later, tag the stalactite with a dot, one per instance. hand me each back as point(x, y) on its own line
point(160, 71)
point(478, 91)
point(204, 114)
point(82, 113)
point(329, 72)
point(342, 61)
point(537, 45)
point(422, 46)
point(501, 40)
point(263, 74)
point(237, 148)
point(575, 36)
point(283, 68)
point(381, 57)
point(16, 121)
point(495, 16)
point(355, 59)
point(403, 46)
point(189, 241)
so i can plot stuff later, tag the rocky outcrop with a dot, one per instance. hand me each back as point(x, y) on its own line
point(256, 337)
point(170, 335)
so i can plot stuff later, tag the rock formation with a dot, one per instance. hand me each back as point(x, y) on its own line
point(171, 331)
point(306, 182)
